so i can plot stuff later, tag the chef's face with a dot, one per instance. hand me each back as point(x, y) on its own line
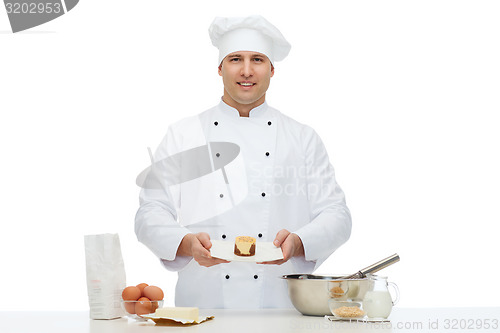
point(246, 76)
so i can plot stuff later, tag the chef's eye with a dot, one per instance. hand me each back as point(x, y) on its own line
point(258, 59)
point(234, 59)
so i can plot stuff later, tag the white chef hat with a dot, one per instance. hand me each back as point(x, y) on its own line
point(251, 33)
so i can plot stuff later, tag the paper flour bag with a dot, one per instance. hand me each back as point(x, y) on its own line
point(105, 275)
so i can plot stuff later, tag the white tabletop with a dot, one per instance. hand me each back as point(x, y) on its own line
point(256, 321)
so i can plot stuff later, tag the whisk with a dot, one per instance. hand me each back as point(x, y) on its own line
point(374, 268)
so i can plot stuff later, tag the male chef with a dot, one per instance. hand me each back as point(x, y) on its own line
point(247, 170)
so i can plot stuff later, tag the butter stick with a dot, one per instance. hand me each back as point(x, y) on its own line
point(178, 312)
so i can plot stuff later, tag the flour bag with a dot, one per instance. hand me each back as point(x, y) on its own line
point(105, 275)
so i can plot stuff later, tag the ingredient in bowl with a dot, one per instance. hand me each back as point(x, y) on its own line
point(348, 312)
point(154, 306)
point(153, 293)
point(130, 306)
point(141, 287)
point(141, 302)
point(337, 292)
point(178, 313)
point(131, 294)
point(143, 306)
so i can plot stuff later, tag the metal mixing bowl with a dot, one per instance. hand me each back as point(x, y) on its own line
point(310, 293)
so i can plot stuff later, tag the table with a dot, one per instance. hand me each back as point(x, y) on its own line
point(256, 321)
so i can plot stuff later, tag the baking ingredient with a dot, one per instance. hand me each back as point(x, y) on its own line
point(153, 293)
point(141, 287)
point(131, 294)
point(143, 306)
point(154, 306)
point(178, 313)
point(377, 304)
point(337, 292)
point(141, 302)
point(348, 312)
point(105, 275)
point(129, 306)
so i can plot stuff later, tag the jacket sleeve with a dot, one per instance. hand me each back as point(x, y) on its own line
point(330, 224)
point(156, 224)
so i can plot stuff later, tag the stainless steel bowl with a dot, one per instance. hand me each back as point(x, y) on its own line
point(310, 293)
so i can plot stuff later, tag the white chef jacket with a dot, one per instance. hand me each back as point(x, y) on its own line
point(281, 179)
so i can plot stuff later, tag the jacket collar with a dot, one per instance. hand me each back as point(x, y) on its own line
point(259, 111)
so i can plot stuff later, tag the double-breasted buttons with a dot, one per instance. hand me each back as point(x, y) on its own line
point(223, 236)
point(263, 194)
point(260, 235)
point(221, 195)
point(227, 277)
point(217, 154)
point(216, 123)
point(255, 276)
point(267, 153)
point(269, 123)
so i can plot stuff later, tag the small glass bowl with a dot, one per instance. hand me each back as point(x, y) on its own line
point(135, 309)
point(334, 305)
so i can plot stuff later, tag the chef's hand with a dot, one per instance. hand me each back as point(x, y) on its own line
point(291, 246)
point(198, 246)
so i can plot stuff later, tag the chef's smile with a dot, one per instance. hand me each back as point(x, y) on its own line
point(246, 76)
point(245, 84)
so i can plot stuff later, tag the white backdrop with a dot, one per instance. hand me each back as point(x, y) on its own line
point(403, 93)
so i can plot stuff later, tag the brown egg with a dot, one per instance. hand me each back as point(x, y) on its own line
point(153, 293)
point(131, 294)
point(130, 307)
point(143, 306)
point(154, 306)
point(141, 287)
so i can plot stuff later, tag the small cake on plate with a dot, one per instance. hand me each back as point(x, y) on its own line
point(244, 246)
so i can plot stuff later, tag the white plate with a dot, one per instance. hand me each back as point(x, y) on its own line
point(264, 251)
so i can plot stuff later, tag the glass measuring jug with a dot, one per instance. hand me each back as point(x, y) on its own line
point(378, 301)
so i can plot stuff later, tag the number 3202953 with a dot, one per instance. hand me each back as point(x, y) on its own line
point(471, 324)
point(33, 8)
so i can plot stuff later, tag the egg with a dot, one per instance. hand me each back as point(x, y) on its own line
point(153, 293)
point(130, 306)
point(143, 306)
point(154, 306)
point(141, 287)
point(131, 294)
